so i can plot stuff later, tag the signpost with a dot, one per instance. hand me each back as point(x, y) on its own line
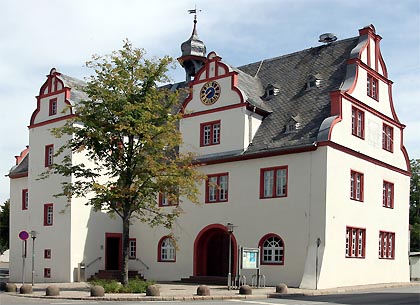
point(23, 235)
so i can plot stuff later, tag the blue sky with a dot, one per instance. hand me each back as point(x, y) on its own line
point(39, 35)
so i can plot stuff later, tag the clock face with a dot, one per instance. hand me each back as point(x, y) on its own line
point(210, 93)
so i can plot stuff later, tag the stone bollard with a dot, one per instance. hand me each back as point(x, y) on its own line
point(10, 287)
point(152, 291)
point(245, 289)
point(52, 291)
point(281, 288)
point(97, 291)
point(26, 289)
point(203, 290)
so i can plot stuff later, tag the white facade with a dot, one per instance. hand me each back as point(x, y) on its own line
point(333, 195)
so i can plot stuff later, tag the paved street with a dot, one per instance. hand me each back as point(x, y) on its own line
point(389, 296)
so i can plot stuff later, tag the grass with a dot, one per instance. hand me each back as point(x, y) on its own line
point(135, 285)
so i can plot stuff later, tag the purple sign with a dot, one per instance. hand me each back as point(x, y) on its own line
point(23, 235)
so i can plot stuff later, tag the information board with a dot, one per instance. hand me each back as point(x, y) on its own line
point(250, 258)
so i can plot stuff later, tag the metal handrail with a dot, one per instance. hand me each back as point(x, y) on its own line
point(143, 263)
point(94, 261)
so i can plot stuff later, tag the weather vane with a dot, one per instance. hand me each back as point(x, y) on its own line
point(194, 11)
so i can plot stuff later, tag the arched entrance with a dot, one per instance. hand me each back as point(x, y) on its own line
point(211, 252)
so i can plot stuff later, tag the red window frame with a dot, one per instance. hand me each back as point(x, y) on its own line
point(25, 199)
point(221, 193)
point(273, 192)
point(355, 242)
point(357, 122)
point(164, 202)
point(132, 249)
point(47, 273)
point(263, 254)
point(388, 195)
point(386, 245)
point(47, 253)
point(372, 87)
point(213, 134)
point(354, 176)
point(48, 210)
point(387, 137)
point(53, 106)
point(160, 252)
point(49, 155)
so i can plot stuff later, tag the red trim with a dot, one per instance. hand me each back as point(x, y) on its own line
point(385, 191)
point(261, 246)
point(48, 222)
point(214, 110)
point(356, 252)
point(22, 155)
point(47, 253)
point(274, 186)
point(159, 258)
point(355, 112)
point(387, 133)
point(19, 175)
point(49, 155)
point(200, 255)
point(353, 184)
point(169, 204)
point(47, 273)
point(363, 157)
point(211, 135)
point(25, 199)
point(372, 87)
point(218, 189)
point(68, 116)
point(53, 106)
point(114, 235)
point(385, 250)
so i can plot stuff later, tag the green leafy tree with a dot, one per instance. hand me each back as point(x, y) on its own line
point(128, 128)
point(415, 205)
point(4, 226)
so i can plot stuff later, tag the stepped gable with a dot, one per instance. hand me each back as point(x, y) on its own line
point(290, 74)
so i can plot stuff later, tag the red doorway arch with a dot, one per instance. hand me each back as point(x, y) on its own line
point(211, 251)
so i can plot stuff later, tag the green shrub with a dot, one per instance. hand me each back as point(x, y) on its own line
point(135, 285)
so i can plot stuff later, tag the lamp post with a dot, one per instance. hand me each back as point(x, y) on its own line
point(229, 227)
point(33, 236)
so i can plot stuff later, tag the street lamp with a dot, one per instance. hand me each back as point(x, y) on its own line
point(229, 227)
point(33, 236)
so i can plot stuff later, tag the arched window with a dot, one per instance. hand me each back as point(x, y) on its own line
point(166, 250)
point(272, 250)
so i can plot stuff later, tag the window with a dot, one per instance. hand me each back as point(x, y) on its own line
point(25, 199)
point(165, 201)
point(53, 106)
point(355, 242)
point(132, 253)
point(217, 188)
point(166, 250)
point(372, 87)
point(49, 155)
point(272, 250)
point(387, 137)
point(357, 122)
point(356, 186)
point(386, 245)
point(210, 133)
point(47, 253)
point(48, 214)
point(47, 272)
point(273, 182)
point(388, 195)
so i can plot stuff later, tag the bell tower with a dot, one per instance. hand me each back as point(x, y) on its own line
point(193, 52)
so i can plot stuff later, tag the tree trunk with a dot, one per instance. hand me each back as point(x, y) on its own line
point(125, 248)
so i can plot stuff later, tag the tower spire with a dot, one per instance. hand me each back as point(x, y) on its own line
point(193, 50)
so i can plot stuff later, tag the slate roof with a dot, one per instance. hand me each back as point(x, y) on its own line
point(76, 85)
point(290, 73)
point(21, 168)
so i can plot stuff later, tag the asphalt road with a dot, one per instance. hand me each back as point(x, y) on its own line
point(391, 296)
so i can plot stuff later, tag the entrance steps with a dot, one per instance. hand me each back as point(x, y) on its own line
point(206, 280)
point(116, 275)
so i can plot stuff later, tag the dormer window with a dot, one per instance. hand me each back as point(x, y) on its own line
point(270, 91)
point(293, 124)
point(312, 82)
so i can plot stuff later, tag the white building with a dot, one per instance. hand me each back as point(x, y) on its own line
point(307, 152)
